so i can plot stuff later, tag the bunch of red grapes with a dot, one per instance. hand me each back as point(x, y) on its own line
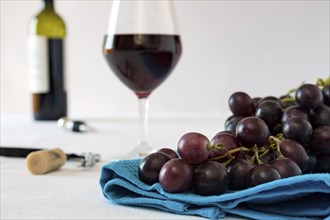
point(265, 139)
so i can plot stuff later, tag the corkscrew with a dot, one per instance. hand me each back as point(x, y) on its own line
point(73, 125)
point(86, 160)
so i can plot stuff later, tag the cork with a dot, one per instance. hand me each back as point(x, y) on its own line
point(44, 161)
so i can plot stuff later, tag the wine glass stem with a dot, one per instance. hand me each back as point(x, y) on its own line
point(143, 109)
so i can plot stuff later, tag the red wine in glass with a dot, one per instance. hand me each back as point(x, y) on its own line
point(143, 61)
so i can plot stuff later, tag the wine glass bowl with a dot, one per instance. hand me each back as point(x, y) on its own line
point(143, 61)
point(142, 47)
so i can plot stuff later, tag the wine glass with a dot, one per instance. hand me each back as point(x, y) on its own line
point(142, 46)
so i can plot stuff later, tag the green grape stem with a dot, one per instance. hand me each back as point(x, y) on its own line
point(256, 153)
point(323, 82)
point(287, 99)
point(265, 152)
point(263, 149)
point(252, 159)
point(228, 153)
point(276, 141)
point(272, 144)
point(291, 91)
point(225, 164)
point(218, 147)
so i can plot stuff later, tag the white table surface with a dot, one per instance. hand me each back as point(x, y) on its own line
point(73, 192)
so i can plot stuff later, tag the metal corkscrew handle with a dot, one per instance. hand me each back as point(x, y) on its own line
point(72, 125)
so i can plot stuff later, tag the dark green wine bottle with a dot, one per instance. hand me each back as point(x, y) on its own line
point(46, 64)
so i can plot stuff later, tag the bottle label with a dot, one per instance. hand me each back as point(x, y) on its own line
point(38, 64)
point(46, 64)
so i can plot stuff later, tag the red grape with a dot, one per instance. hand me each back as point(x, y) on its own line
point(270, 112)
point(298, 129)
point(271, 98)
point(326, 95)
point(176, 176)
point(241, 104)
point(262, 173)
point(294, 111)
point(238, 173)
point(226, 140)
point(170, 152)
point(320, 116)
point(323, 163)
point(286, 167)
point(311, 163)
point(210, 178)
point(256, 101)
point(192, 148)
point(150, 167)
point(252, 131)
point(309, 96)
point(295, 151)
point(231, 123)
point(320, 140)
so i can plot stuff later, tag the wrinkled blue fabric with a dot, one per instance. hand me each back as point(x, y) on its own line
point(301, 197)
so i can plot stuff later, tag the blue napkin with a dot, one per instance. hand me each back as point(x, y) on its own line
point(306, 196)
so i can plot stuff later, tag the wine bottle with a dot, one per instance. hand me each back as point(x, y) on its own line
point(46, 63)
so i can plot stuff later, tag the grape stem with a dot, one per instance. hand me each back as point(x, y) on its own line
point(323, 82)
point(228, 153)
point(263, 149)
point(265, 152)
point(256, 153)
point(252, 159)
point(218, 147)
point(272, 144)
point(287, 99)
point(275, 141)
point(290, 92)
point(225, 164)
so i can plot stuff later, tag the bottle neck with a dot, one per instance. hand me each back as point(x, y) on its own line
point(48, 4)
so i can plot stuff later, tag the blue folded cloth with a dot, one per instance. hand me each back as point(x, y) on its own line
point(306, 196)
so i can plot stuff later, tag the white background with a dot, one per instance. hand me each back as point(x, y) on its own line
point(260, 47)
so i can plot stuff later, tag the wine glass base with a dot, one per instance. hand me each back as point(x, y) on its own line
point(140, 151)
